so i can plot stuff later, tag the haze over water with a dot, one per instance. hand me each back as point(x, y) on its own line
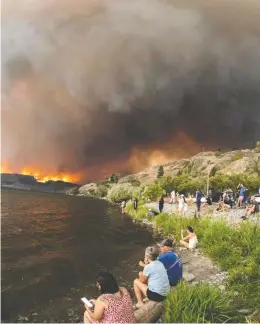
point(52, 248)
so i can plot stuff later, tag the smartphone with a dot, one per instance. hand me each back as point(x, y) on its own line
point(87, 302)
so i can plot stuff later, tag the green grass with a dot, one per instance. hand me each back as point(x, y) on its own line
point(236, 250)
point(198, 304)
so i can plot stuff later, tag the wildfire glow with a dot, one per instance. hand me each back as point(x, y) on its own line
point(177, 147)
point(42, 176)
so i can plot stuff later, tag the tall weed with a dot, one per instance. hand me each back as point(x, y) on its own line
point(198, 304)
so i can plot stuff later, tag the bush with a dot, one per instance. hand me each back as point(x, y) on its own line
point(198, 304)
point(237, 156)
point(132, 180)
point(119, 192)
point(140, 213)
point(152, 192)
point(101, 191)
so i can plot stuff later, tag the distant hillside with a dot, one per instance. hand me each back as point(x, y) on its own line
point(26, 182)
point(202, 164)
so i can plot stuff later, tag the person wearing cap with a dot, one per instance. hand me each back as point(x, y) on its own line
point(171, 261)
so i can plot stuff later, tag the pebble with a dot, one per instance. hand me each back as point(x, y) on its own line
point(188, 277)
point(245, 311)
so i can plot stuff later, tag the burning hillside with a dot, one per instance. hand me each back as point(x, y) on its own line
point(106, 86)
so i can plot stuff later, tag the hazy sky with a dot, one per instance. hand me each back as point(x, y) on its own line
point(84, 82)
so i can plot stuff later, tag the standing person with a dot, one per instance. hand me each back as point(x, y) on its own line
point(242, 195)
point(191, 237)
point(173, 197)
point(135, 204)
point(153, 282)
point(114, 305)
point(161, 204)
point(182, 205)
point(198, 200)
point(171, 262)
point(123, 205)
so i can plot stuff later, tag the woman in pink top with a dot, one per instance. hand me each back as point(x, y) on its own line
point(114, 305)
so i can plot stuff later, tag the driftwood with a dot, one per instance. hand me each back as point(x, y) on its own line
point(149, 313)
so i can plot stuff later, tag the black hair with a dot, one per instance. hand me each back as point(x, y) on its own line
point(107, 282)
point(190, 229)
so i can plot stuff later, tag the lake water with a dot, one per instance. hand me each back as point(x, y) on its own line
point(52, 249)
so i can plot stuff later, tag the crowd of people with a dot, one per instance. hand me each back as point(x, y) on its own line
point(162, 269)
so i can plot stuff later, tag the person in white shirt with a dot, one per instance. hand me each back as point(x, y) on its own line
point(191, 238)
point(182, 205)
point(173, 197)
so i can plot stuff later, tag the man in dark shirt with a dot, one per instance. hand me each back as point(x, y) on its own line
point(171, 261)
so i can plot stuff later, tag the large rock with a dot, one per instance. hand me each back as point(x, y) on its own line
point(149, 313)
point(87, 188)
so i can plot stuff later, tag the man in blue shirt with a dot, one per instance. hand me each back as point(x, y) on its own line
point(242, 195)
point(198, 199)
point(171, 261)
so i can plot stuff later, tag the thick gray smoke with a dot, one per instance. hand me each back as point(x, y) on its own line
point(85, 81)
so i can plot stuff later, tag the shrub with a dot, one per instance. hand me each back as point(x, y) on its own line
point(152, 192)
point(132, 180)
point(237, 156)
point(119, 192)
point(198, 304)
point(101, 191)
point(160, 171)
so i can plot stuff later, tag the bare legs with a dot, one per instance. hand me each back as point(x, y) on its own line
point(182, 242)
point(140, 291)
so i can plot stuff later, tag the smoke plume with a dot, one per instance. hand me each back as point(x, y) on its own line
point(85, 82)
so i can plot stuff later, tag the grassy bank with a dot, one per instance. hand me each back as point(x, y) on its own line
point(236, 250)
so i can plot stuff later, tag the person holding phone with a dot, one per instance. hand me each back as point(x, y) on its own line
point(114, 305)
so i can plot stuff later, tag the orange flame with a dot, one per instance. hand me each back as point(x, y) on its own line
point(177, 147)
point(42, 176)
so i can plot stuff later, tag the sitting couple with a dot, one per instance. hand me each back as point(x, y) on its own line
point(160, 272)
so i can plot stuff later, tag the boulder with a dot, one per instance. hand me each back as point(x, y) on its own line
point(149, 313)
point(84, 190)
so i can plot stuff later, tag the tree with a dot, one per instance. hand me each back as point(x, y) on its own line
point(152, 192)
point(255, 166)
point(113, 178)
point(160, 172)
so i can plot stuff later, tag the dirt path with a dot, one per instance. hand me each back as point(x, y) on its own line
point(198, 265)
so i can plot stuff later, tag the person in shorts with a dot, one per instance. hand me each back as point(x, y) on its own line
point(153, 281)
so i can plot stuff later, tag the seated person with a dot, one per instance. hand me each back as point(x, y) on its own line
point(222, 207)
point(152, 212)
point(153, 282)
point(252, 208)
point(114, 305)
point(191, 238)
point(209, 200)
point(171, 261)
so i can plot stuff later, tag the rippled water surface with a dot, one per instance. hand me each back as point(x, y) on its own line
point(52, 248)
